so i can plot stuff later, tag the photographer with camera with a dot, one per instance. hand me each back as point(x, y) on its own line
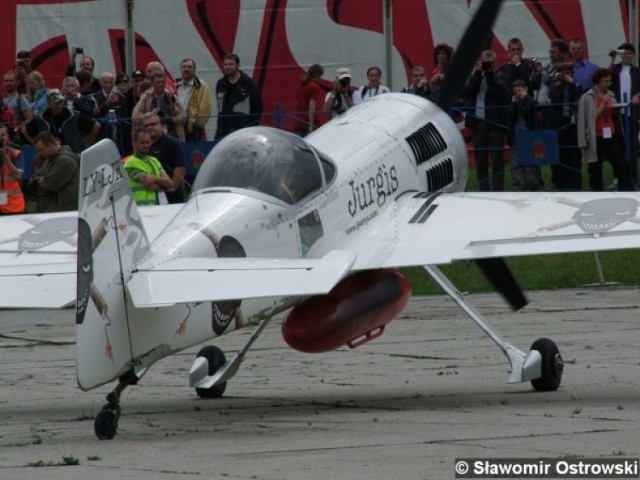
point(561, 115)
point(558, 50)
point(75, 100)
point(340, 98)
point(11, 198)
point(488, 97)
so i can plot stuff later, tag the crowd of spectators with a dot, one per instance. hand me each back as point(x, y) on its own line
point(522, 94)
point(146, 113)
point(592, 109)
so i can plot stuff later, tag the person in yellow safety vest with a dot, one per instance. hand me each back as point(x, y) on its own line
point(147, 179)
point(11, 197)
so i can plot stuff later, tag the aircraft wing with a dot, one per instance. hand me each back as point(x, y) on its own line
point(233, 278)
point(441, 228)
point(38, 256)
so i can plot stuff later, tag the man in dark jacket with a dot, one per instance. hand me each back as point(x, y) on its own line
point(239, 101)
point(69, 128)
point(488, 98)
point(55, 183)
point(625, 85)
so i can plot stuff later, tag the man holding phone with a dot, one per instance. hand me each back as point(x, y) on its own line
point(87, 64)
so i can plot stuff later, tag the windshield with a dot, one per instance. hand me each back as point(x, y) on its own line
point(268, 160)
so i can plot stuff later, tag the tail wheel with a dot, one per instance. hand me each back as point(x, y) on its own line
point(552, 366)
point(105, 424)
point(216, 359)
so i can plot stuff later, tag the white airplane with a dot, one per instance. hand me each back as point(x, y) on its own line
point(320, 225)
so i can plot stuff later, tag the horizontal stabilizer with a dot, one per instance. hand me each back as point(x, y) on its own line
point(217, 279)
point(37, 285)
point(55, 290)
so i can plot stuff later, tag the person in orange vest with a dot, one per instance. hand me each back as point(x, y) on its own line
point(11, 197)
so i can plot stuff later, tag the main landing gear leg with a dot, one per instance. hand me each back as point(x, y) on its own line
point(542, 365)
point(105, 424)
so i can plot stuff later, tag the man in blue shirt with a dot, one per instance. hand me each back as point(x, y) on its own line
point(582, 68)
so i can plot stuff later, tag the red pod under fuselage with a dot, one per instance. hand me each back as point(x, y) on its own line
point(353, 312)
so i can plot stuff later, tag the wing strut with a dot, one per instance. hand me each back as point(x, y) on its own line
point(524, 366)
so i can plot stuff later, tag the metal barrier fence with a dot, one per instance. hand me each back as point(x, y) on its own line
point(537, 147)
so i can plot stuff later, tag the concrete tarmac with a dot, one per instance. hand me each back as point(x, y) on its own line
point(403, 406)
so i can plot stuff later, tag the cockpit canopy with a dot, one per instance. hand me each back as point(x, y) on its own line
point(267, 160)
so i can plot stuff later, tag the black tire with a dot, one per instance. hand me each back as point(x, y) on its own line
point(216, 359)
point(552, 366)
point(106, 424)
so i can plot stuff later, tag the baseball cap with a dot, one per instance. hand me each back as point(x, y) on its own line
point(343, 73)
point(627, 47)
point(137, 73)
point(55, 95)
point(23, 54)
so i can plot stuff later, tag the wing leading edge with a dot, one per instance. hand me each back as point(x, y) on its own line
point(437, 229)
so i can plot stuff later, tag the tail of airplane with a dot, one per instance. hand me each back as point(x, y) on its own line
point(111, 238)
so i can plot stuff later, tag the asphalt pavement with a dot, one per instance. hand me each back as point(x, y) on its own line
point(404, 406)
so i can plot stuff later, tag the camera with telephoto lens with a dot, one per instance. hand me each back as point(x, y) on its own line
point(486, 66)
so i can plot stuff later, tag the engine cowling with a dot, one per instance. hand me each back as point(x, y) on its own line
point(355, 311)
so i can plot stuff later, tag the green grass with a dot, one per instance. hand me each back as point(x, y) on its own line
point(545, 272)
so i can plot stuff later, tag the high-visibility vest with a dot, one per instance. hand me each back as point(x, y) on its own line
point(11, 186)
point(152, 166)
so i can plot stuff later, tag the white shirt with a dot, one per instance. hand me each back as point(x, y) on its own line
point(185, 89)
point(369, 93)
point(625, 87)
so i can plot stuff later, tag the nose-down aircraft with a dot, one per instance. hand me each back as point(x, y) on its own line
point(319, 226)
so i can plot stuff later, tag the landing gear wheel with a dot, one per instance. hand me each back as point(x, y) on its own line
point(552, 366)
point(106, 423)
point(216, 359)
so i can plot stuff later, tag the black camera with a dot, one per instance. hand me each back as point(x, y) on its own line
point(486, 66)
point(20, 63)
point(344, 82)
point(80, 50)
